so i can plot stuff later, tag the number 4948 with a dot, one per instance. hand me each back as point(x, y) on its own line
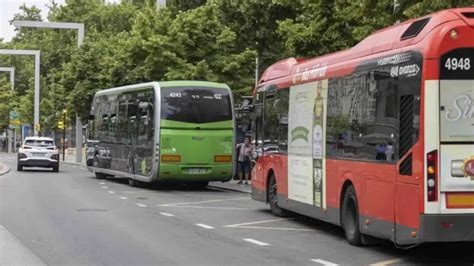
point(458, 63)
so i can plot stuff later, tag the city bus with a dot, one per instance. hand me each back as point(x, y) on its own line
point(379, 138)
point(173, 131)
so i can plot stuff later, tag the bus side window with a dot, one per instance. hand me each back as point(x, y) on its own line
point(122, 123)
point(132, 123)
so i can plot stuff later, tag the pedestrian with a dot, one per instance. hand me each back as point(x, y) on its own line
point(380, 149)
point(244, 156)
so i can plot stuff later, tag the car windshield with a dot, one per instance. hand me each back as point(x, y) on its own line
point(38, 143)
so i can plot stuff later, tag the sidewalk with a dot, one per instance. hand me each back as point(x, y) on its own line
point(4, 169)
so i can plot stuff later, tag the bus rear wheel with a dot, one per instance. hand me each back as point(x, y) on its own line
point(96, 164)
point(272, 190)
point(350, 217)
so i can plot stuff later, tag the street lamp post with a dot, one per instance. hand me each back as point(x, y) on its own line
point(12, 75)
point(80, 38)
point(36, 53)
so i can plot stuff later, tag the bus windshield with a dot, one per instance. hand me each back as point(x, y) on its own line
point(195, 104)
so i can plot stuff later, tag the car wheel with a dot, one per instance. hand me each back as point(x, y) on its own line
point(56, 168)
point(96, 164)
point(350, 217)
point(272, 190)
point(19, 167)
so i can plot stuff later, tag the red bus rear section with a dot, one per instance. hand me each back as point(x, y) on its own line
point(379, 138)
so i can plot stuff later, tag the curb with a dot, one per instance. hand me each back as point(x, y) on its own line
point(5, 169)
point(229, 189)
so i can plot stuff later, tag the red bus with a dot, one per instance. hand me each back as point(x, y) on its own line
point(379, 138)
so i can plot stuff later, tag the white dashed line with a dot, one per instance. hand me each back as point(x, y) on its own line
point(105, 187)
point(256, 242)
point(123, 198)
point(102, 183)
point(324, 262)
point(142, 205)
point(205, 226)
point(111, 192)
point(167, 214)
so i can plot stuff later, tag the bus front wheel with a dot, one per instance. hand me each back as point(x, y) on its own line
point(272, 190)
point(350, 217)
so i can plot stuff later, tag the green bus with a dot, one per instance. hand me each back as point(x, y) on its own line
point(178, 131)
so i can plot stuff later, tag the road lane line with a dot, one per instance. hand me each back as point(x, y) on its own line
point(205, 226)
point(258, 222)
point(105, 187)
point(256, 242)
point(166, 214)
point(141, 205)
point(387, 262)
point(102, 183)
point(14, 252)
point(123, 198)
point(199, 202)
point(324, 262)
point(111, 192)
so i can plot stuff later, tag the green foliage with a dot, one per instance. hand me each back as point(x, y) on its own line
point(216, 40)
point(6, 105)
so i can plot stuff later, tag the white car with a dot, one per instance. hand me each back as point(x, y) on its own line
point(38, 152)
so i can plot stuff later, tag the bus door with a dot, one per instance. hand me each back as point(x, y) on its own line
point(456, 155)
point(145, 144)
point(257, 138)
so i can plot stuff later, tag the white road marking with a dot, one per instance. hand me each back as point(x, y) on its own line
point(111, 192)
point(256, 242)
point(130, 192)
point(123, 198)
point(199, 202)
point(102, 183)
point(105, 187)
point(205, 226)
point(14, 252)
point(206, 207)
point(324, 262)
point(167, 214)
point(141, 205)
point(249, 226)
point(387, 262)
point(259, 222)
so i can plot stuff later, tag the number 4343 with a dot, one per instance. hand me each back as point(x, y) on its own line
point(458, 63)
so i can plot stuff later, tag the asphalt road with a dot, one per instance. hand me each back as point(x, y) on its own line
point(71, 218)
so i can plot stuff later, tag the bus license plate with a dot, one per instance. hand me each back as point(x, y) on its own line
point(196, 171)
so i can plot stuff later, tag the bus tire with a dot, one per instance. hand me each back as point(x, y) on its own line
point(272, 190)
point(96, 164)
point(350, 217)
